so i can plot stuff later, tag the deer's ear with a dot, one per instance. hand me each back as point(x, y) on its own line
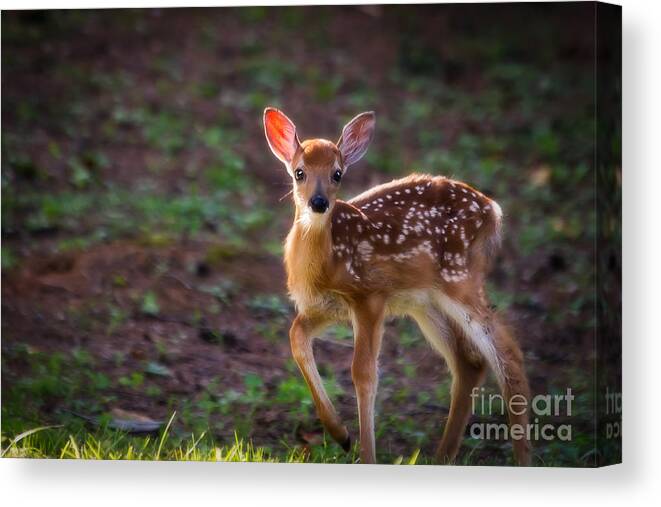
point(356, 137)
point(280, 134)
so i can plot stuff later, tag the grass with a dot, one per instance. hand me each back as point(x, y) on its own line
point(105, 444)
point(55, 442)
point(52, 442)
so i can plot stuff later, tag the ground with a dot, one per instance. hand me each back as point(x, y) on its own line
point(143, 214)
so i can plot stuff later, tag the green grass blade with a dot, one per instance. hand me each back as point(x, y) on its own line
point(27, 433)
point(164, 436)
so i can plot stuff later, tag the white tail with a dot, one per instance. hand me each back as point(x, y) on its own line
point(418, 246)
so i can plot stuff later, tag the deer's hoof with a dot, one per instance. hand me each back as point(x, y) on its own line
point(346, 445)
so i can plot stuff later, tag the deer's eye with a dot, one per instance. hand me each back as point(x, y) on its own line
point(299, 175)
point(337, 176)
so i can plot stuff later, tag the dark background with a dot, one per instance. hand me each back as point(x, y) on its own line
point(142, 218)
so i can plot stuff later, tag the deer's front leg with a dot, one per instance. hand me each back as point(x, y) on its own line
point(368, 331)
point(301, 335)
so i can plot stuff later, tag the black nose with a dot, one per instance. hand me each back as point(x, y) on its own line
point(319, 204)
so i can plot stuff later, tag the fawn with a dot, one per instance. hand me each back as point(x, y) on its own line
point(418, 246)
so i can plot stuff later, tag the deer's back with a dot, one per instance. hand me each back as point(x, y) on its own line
point(421, 228)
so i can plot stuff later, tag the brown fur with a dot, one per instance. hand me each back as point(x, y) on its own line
point(421, 246)
point(319, 153)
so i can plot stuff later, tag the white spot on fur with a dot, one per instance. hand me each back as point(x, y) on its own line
point(365, 250)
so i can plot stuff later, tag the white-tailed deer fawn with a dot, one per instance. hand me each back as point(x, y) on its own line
point(418, 246)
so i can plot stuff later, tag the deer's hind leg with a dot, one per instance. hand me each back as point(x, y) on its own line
point(498, 348)
point(468, 372)
point(514, 387)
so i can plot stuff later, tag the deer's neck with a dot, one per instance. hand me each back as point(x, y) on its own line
point(308, 256)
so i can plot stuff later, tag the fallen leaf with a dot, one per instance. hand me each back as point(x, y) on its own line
point(124, 420)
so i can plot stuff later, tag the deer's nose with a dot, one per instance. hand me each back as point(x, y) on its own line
point(319, 204)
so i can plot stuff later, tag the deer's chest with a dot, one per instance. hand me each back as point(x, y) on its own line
point(310, 277)
point(311, 301)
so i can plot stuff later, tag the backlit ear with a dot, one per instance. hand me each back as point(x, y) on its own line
point(281, 135)
point(356, 137)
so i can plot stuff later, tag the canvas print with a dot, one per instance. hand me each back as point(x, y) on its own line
point(324, 234)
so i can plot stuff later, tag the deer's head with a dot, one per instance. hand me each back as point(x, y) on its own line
point(317, 166)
